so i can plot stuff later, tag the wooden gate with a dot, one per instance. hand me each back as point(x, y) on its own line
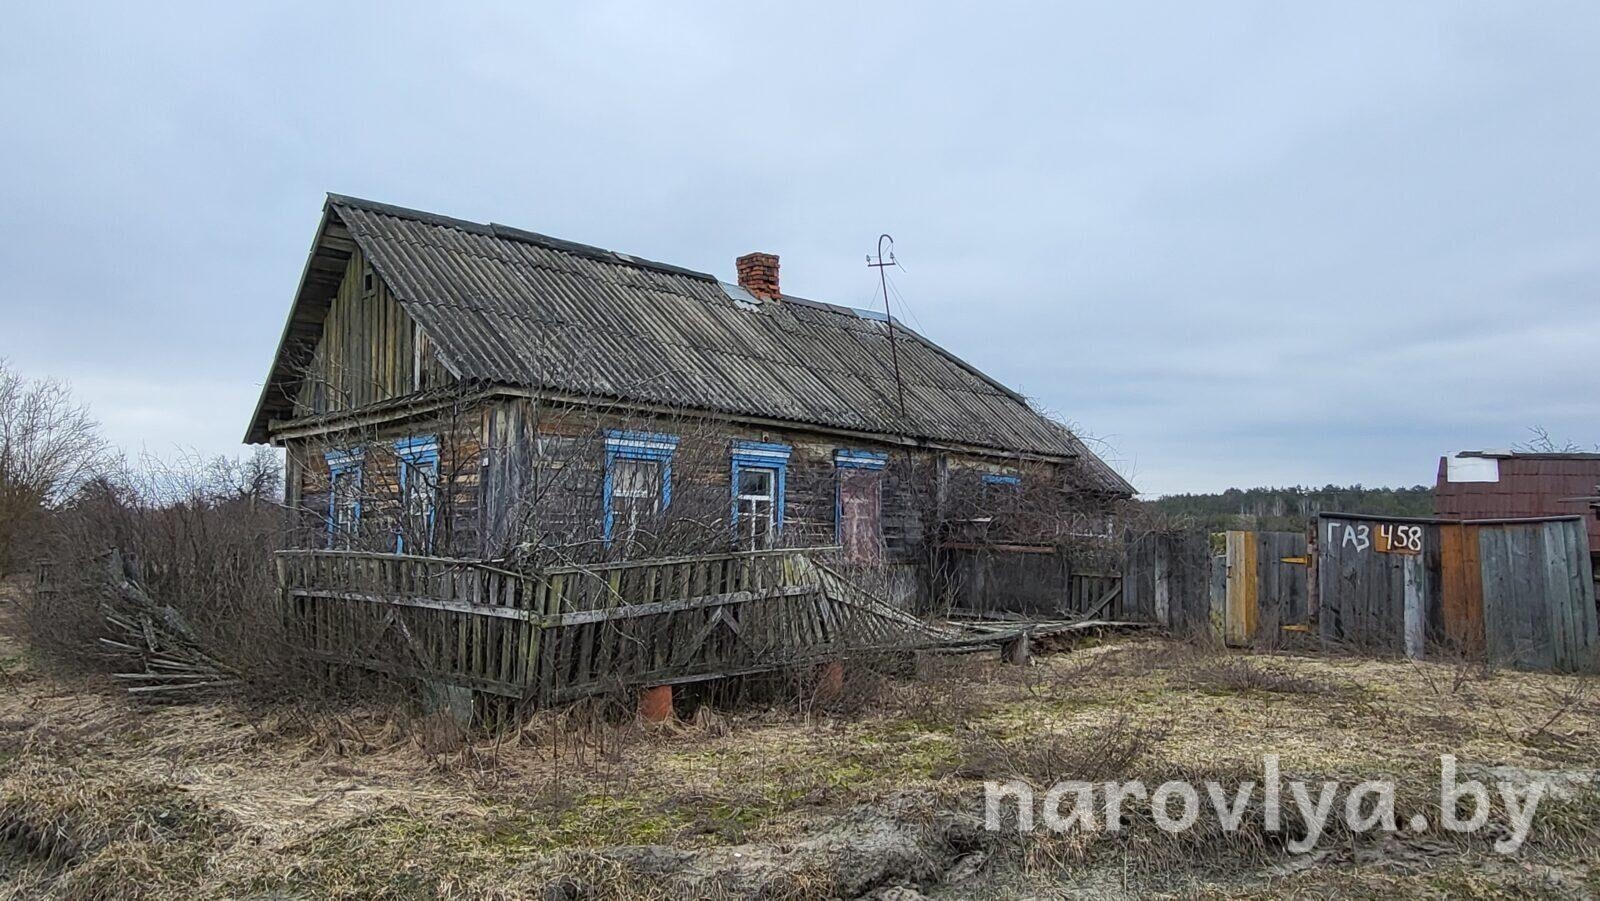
point(1266, 586)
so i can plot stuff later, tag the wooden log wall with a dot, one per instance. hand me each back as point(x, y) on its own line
point(456, 500)
point(544, 466)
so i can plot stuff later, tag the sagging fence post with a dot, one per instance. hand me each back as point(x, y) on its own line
point(1015, 649)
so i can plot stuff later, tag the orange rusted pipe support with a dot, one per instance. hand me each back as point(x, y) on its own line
point(830, 681)
point(655, 704)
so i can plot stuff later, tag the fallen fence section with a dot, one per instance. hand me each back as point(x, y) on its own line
point(172, 662)
point(1519, 592)
point(566, 632)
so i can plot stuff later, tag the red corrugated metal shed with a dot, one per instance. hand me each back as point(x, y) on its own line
point(1528, 485)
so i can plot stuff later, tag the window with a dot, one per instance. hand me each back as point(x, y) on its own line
point(858, 505)
point(758, 469)
point(638, 481)
point(754, 514)
point(997, 478)
point(635, 495)
point(344, 497)
point(419, 489)
point(1001, 487)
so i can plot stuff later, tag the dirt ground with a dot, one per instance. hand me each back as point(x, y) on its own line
point(879, 796)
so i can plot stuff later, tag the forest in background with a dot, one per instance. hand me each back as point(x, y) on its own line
point(1287, 509)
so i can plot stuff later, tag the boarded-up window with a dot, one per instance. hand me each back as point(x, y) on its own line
point(861, 505)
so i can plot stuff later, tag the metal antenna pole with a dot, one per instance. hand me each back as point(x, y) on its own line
point(883, 282)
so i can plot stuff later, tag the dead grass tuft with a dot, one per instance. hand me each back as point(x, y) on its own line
point(1226, 675)
point(1107, 751)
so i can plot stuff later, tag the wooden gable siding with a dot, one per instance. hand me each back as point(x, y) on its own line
point(368, 351)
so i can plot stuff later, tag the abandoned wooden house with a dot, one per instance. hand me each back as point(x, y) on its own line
point(452, 388)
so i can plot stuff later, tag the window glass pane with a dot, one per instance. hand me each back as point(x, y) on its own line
point(757, 523)
point(755, 482)
point(636, 479)
point(421, 492)
point(635, 495)
point(346, 488)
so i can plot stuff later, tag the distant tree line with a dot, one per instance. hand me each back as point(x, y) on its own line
point(1288, 509)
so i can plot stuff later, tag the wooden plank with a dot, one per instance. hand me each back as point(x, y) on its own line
point(1557, 553)
point(1499, 629)
point(1587, 644)
point(1243, 588)
point(1415, 604)
point(1536, 600)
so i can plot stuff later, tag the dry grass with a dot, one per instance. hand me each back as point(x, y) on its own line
point(1244, 674)
point(103, 799)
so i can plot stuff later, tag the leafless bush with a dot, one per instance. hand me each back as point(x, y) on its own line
point(200, 535)
point(1236, 674)
point(1107, 752)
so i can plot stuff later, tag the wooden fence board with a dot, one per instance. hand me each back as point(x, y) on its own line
point(1517, 592)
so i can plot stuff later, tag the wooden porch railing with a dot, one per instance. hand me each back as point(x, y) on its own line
point(570, 631)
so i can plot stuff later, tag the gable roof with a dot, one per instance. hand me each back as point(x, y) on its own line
point(511, 307)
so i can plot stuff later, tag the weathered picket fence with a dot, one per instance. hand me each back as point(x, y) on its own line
point(565, 632)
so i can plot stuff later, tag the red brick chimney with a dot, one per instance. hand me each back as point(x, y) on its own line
point(758, 274)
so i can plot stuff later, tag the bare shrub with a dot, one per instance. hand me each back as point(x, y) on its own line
point(1107, 752)
point(200, 536)
point(1237, 674)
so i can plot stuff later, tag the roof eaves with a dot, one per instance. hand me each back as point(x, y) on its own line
point(257, 432)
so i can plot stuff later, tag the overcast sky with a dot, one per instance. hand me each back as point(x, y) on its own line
point(1242, 243)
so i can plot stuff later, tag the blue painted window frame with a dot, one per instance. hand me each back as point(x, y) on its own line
point(624, 445)
point(415, 453)
point(844, 458)
point(339, 463)
point(760, 455)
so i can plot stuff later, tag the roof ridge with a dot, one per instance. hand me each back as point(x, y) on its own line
point(512, 233)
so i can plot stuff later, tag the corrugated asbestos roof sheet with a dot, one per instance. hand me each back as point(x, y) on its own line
point(512, 307)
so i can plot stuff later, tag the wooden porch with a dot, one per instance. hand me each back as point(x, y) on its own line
point(566, 632)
